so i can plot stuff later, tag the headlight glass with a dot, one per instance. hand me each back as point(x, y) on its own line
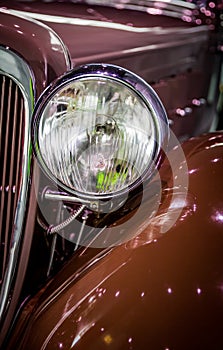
point(96, 134)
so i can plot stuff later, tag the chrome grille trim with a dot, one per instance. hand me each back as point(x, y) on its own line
point(12, 110)
point(15, 72)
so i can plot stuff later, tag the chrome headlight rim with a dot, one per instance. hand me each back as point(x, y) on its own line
point(131, 81)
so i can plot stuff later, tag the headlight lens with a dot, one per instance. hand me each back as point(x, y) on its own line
point(96, 134)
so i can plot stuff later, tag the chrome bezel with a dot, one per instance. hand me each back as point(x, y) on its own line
point(113, 73)
point(13, 66)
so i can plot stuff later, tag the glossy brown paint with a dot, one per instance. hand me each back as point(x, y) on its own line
point(169, 53)
point(152, 46)
point(38, 45)
point(164, 293)
point(56, 318)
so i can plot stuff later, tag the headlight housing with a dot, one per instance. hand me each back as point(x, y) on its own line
point(98, 131)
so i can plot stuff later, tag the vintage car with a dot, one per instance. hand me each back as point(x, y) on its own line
point(111, 198)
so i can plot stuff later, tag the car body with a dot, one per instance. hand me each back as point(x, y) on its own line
point(172, 58)
point(148, 272)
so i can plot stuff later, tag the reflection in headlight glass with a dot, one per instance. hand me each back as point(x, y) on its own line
point(97, 135)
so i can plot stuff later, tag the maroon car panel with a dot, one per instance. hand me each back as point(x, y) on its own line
point(159, 294)
point(38, 45)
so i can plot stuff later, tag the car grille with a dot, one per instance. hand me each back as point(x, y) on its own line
point(12, 119)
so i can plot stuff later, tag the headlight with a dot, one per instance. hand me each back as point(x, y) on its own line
point(98, 131)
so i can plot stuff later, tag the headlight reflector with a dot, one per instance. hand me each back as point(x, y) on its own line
point(98, 131)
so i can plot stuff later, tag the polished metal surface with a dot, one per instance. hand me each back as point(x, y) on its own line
point(11, 129)
point(19, 105)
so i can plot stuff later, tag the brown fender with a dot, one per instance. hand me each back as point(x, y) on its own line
point(162, 294)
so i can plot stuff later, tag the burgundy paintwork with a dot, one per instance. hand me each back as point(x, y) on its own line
point(39, 46)
point(154, 47)
point(171, 54)
point(166, 294)
point(162, 295)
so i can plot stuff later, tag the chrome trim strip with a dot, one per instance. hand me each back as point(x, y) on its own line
point(14, 67)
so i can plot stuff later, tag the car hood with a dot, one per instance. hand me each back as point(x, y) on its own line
point(139, 40)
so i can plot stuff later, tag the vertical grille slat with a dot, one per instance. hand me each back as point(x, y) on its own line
point(4, 147)
point(1, 109)
point(10, 213)
point(6, 170)
point(1, 151)
point(12, 119)
point(19, 148)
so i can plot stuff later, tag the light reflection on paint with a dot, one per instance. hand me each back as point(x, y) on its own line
point(91, 299)
point(81, 333)
point(215, 160)
point(217, 216)
point(193, 171)
point(87, 22)
point(198, 291)
point(152, 11)
point(219, 144)
point(212, 138)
